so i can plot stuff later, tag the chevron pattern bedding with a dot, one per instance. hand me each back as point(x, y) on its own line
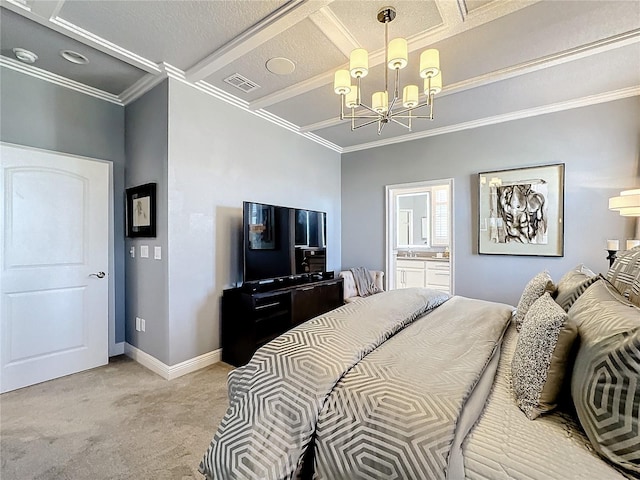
point(289, 386)
point(275, 399)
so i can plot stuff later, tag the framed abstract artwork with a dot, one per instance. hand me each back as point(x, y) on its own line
point(521, 211)
point(141, 211)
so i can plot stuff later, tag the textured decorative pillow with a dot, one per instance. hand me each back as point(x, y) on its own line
point(571, 286)
point(605, 388)
point(624, 274)
point(541, 355)
point(536, 287)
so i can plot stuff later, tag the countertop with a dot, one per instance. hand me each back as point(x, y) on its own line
point(428, 259)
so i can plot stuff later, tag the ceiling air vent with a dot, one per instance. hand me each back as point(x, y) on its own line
point(241, 83)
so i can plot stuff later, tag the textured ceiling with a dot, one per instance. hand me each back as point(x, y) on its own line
point(501, 60)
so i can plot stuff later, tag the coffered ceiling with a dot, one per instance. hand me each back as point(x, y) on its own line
point(501, 59)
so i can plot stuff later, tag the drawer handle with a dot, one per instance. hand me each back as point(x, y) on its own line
point(307, 289)
point(260, 307)
point(442, 274)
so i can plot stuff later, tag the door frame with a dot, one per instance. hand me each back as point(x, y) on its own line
point(391, 191)
point(113, 348)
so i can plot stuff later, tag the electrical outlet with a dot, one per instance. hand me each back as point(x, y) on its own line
point(142, 322)
point(137, 324)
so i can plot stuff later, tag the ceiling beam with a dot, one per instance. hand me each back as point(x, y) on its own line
point(335, 30)
point(573, 54)
point(277, 22)
point(483, 15)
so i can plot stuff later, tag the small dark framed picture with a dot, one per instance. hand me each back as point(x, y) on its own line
point(141, 211)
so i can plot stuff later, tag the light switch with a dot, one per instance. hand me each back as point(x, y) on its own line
point(157, 253)
point(132, 252)
point(144, 251)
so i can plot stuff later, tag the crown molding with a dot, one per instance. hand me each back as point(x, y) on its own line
point(507, 117)
point(616, 41)
point(141, 87)
point(104, 45)
point(58, 80)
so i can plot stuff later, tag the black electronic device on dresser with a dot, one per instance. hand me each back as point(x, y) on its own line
point(285, 279)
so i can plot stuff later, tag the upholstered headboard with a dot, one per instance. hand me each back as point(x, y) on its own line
point(624, 274)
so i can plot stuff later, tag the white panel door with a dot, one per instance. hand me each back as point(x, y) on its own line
point(54, 255)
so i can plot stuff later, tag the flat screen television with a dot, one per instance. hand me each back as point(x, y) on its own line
point(282, 241)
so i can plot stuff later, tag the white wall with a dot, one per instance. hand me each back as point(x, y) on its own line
point(600, 146)
point(219, 156)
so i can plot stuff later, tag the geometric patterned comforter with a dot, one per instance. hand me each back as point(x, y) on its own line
point(375, 389)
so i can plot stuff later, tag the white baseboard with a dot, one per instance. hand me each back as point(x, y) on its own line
point(174, 371)
point(117, 349)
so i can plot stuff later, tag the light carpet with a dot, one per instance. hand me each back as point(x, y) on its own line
point(120, 421)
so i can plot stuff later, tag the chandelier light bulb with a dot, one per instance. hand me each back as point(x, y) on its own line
point(342, 82)
point(410, 96)
point(433, 85)
point(359, 63)
point(351, 100)
point(429, 63)
point(380, 102)
point(397, 53)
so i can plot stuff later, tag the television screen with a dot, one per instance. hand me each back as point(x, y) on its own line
point(282, 241)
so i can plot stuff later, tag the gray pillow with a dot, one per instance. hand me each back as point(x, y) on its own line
point(605, 383)
point(571, 286)
point(602, 312)
point(541, 356)
point(606, 393)
point(536, 287)
point(624, 274)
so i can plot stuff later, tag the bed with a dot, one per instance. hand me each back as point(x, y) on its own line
point(415, 384)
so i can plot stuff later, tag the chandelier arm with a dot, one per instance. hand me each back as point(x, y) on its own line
point(412, 116)
point(400, 123)
point(342, 106)
point(370, 109)
point(396, 93)
point(393, 103)
point(347, 117)
point(367, 123)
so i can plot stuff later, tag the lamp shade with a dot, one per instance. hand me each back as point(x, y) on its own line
point(351, 100)
point(342, 82)
point(380, 102)
point(410, 96)
point(628, 203)
point(397, 53)
point(433, 85)
point(429, 63)
point(359, 63)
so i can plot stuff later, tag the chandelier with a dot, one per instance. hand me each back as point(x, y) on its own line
point(382, 106)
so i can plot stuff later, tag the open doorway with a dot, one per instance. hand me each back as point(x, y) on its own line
point(419, 235)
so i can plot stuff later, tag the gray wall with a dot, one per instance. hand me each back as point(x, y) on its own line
point(146, 122)
point(219, 156)
point(600, 146)
point(40, 114)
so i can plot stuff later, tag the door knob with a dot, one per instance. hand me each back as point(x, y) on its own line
point(99, 274)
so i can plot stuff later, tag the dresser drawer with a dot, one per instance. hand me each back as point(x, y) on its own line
point(438, 277)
